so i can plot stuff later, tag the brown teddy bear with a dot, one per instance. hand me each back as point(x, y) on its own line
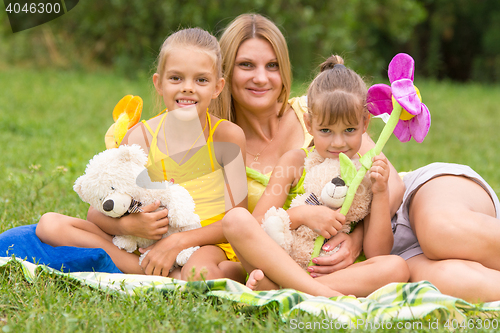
point(324, 185)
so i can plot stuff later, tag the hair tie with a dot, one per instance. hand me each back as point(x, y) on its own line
point(339, 66)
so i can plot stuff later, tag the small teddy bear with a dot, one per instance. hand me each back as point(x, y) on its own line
point(324, 185)
point(116, 183)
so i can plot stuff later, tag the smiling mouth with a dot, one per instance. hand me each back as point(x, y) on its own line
point(185, 102)
point(258, 91)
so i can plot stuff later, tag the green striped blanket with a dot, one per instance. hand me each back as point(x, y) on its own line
point(395, 302)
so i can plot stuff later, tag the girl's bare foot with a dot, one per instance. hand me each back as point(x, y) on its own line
point(258, 281)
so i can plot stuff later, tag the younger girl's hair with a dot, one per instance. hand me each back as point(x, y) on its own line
point(191, 37)
point(337, 94)
point(242, 28)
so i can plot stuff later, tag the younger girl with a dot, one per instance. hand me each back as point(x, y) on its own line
point(337, 119)
point(187, 146)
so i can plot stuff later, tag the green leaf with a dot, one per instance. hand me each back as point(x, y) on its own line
point(347, 169)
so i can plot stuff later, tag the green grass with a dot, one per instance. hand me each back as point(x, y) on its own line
point(53, 122)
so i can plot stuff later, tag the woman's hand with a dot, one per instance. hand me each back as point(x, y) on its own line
point(350, 248)
point(147, 224)
point(323, 220)
point(161, 255)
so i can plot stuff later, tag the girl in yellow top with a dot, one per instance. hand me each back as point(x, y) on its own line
point(188, 146)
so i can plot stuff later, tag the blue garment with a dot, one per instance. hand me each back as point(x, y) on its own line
point(24, 244)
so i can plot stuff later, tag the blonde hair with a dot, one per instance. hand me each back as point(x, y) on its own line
point(337, 94)
point(191, 37)
point(242, 28)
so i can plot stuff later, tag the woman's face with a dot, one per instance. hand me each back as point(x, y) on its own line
point(256, 82)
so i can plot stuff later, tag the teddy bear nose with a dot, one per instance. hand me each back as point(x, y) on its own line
point(337, 181)
point(108, 205)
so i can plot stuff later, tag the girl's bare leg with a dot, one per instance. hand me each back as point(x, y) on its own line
point(233, 270)
point(257, 250)
point(60, 230)
point(363, 278)
point(209, 262)
point(454, 218)
point(464, 279)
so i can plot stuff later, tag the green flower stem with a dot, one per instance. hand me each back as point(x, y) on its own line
point(366, 163)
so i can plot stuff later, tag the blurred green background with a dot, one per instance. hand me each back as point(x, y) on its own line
point(449, 39)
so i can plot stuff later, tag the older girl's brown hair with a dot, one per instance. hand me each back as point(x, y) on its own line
point(242, 28)
point(337, 94)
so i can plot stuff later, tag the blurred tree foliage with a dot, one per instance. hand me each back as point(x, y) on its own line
point(458, 39)
point(127, 34)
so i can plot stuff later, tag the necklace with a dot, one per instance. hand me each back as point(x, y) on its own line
point(256, 156)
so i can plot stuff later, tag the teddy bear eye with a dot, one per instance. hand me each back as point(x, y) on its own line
point(112, 188)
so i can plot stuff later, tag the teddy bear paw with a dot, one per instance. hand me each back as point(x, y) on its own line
point(125, 243)
point(141, 258)
point(185, 254)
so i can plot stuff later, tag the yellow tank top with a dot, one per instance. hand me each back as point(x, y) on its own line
point(201, 175)
point(257, 181)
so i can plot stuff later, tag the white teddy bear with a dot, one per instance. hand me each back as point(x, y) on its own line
point(323, 185)
point(116, 182)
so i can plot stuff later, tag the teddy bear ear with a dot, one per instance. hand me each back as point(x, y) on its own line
point(78, 186)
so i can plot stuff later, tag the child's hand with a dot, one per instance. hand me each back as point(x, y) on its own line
point(324, 221)
point(350, 248)
point(379, 174)
point(147, 224)
point(161, 256)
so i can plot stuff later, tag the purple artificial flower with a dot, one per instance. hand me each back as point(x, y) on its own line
point(415, 119)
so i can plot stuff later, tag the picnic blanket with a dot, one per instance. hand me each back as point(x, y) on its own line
point(396, 302)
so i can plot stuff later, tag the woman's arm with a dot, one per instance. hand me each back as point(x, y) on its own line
point(285, 175)
point(350, 248)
